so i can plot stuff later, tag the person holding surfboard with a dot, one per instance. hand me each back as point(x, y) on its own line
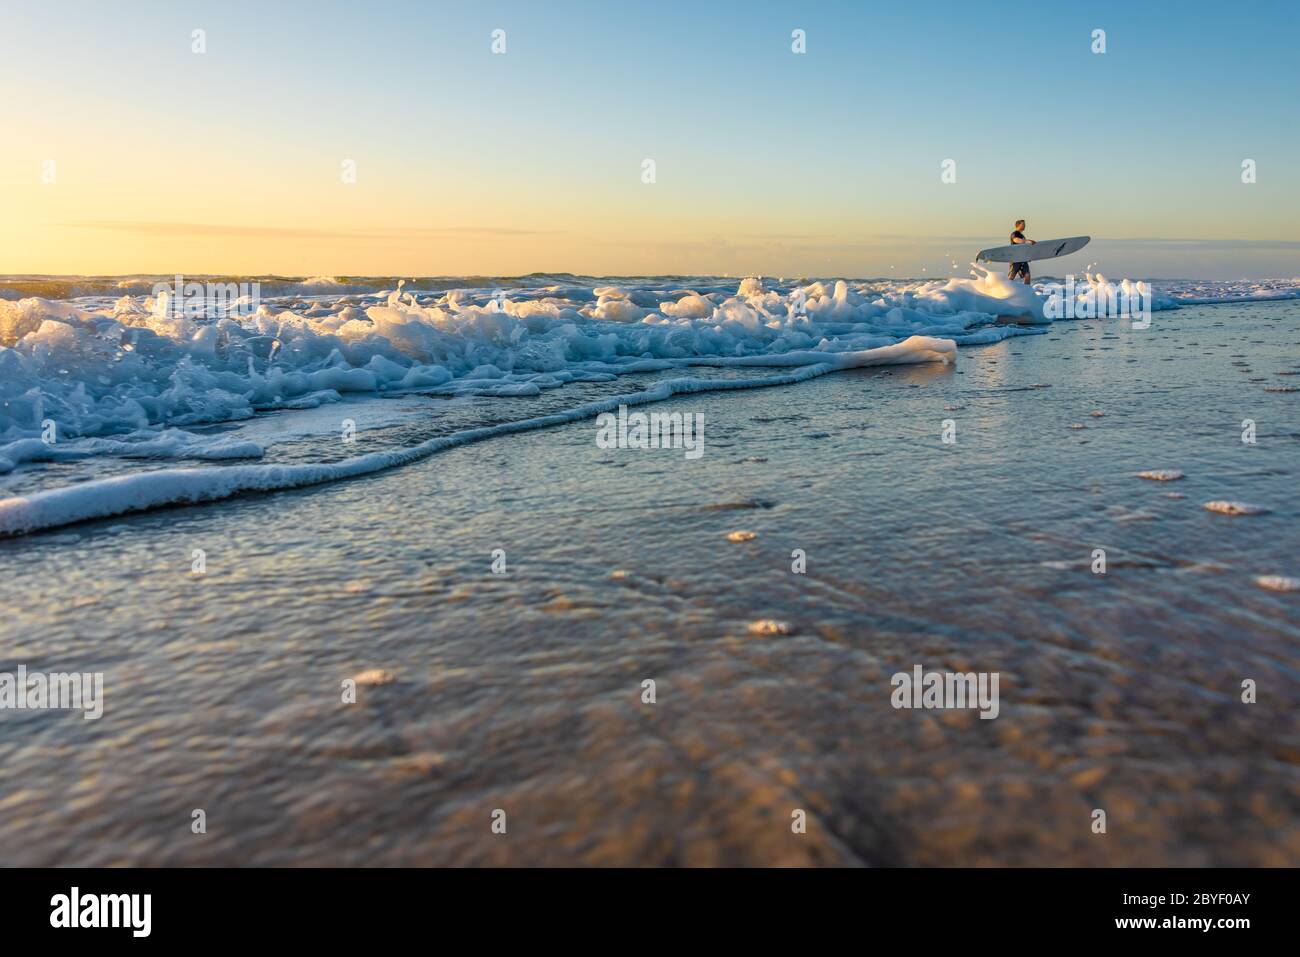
point(1020, 258)
point(1018, 237)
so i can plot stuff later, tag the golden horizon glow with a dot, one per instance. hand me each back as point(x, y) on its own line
point(467, 163)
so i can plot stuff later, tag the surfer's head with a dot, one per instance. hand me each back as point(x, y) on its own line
point(1020, 224)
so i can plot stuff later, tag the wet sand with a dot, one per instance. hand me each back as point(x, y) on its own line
point(522, 691)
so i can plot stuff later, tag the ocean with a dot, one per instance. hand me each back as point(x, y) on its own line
point(244, 517)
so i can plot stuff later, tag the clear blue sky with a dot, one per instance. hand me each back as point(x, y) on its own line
point(766, 161)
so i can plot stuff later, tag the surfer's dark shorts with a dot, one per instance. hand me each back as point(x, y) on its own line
point(1018, 269)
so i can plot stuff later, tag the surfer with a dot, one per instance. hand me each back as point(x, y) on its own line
point(1018, 237)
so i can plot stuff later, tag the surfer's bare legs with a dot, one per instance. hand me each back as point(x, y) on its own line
point(1018, 238)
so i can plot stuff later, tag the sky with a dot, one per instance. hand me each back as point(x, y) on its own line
point(125, 151)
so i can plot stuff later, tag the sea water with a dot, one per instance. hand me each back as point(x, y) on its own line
point(499, 605)
point(96, 377)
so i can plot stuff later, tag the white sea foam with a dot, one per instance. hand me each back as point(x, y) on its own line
point(144, 444)
point(110, 374)
point(144, 490)
point(1224, 507)
point(1161, 475)
point(115, 365)
point(1278, 582)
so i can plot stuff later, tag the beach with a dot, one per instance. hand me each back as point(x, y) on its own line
point(499, 606)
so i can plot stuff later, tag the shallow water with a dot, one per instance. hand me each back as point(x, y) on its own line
point(522, 691)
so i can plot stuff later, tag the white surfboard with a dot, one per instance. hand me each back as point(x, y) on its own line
point(1031, 252)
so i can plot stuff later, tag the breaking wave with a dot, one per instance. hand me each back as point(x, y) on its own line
point(117, 373)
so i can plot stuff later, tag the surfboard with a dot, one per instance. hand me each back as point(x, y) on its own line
point(1031, 252)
